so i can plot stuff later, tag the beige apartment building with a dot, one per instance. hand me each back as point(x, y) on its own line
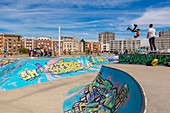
point(95, 47)
point(10, 42)
point(29, 43)
point(104, 38)
point(70, 43)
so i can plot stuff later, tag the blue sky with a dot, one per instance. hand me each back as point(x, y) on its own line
point(82, 18)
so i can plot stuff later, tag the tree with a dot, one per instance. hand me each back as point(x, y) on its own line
point(23, 50)
point(82, 40)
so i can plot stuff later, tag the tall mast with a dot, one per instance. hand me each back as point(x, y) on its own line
point(59, 39)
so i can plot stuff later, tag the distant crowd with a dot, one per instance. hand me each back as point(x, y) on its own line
point(39, 52)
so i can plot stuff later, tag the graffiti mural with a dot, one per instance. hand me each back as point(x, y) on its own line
point(98, 59)
point(144, 59)
point(64, 67)
point(108, 93)
point(4, 62)
point(29, 74)
point(25, 72)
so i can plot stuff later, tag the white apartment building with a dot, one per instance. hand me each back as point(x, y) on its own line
point(164, 33)
point(163, 41)
point(130, 44)
point(105, 38)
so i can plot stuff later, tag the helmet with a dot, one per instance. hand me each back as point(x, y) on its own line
point(154, 62)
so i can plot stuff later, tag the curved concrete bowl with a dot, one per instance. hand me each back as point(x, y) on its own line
point(112, 91)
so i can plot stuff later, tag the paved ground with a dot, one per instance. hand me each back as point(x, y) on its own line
point(155, 81)
point(48, 97)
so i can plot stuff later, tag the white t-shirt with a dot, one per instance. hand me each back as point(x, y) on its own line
point(152, 32)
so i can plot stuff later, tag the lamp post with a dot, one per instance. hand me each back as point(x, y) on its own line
point(59, 38)
point(4, 45)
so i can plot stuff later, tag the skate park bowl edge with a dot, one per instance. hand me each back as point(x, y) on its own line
point(112, 91)
point(21, 72)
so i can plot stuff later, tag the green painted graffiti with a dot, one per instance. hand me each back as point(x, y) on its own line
point(143, 59)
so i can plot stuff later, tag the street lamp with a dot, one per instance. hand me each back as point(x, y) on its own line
point(59, 39)
point(4, 45)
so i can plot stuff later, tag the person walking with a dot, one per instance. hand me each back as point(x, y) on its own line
point(5, 53)
point(151, 35)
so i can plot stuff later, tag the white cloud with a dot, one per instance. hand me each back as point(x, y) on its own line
point(157, 16)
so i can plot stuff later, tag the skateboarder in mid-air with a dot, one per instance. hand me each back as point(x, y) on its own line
point(135, 30)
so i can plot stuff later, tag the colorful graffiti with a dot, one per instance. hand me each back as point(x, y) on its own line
point(108, 93)
point(25, 72)
point(64, 67)
point(5, 62)
point(144, 59)
point(29, 74)
point(98, 59)
point(57, 68)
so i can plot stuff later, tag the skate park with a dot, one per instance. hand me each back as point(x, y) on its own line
point(136, 87)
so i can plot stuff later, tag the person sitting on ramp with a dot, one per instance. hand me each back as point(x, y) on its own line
point(135, 30)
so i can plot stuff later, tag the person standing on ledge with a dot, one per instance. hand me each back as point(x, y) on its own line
point(151, 35)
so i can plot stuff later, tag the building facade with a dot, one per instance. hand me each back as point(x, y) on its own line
point(164, 33)
point(104, 38)
point(163, 41)
point(70, 43)
point(29, 43)
point(130, 44)
point(43, 42)
point(10, 42)
point(55, 45)
point(94, 47)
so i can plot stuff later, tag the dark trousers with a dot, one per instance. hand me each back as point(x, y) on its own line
point(133, 30)
point(152, 43)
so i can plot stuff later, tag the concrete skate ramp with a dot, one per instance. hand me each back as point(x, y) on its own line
point(112, 91)
point(19, 73)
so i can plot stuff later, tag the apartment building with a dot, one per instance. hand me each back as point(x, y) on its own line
point(44, 42)
point(10, 42)
point(70, 43)
point(164, 33)
point(104, 38)
point(55, 45)
point(95, 47)
point(29, 43)
point(163, 41)
point(130, 44)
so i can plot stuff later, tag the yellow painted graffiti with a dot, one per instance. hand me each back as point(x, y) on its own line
point(29, 74)
point(64, 67)
point(100, 59)
point(5, 62)
point(102, 111)
point(89, 64)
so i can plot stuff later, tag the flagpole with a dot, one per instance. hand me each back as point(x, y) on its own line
point(59, 39)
